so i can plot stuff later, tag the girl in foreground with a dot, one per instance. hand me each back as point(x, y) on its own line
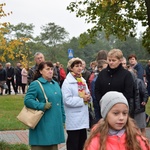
point(116, 131)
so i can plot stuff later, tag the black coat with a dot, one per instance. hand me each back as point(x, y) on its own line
point(143, 97)
point(3, 75)
point(10, 72)
point(118, 79)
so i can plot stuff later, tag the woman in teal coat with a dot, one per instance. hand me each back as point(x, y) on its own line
point(49, 132)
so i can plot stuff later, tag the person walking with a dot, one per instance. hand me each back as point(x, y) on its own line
point(49, 132)
point(119, 133)
point(76, 97)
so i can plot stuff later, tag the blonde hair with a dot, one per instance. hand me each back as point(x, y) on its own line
point(131, 130)
point(115, 53)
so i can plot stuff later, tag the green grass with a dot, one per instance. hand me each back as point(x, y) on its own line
point(7, 146)
point(10, 106)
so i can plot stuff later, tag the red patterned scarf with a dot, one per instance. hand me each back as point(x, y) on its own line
point(81, 84)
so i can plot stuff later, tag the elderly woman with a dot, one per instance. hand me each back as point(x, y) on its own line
point(115, 78)
point(49, 132)
point(75, 97)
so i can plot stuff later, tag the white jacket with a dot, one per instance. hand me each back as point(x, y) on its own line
point(77, 115)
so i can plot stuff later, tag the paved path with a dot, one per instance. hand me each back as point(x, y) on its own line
point(21, 136)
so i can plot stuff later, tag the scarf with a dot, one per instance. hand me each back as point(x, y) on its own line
point(81, 84)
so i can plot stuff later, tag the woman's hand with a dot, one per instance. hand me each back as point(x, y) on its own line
point(86, 97)
point(47, 105)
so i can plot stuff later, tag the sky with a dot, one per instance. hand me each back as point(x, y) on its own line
point(42, 12)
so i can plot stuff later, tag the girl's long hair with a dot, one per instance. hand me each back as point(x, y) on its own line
point(132, 132)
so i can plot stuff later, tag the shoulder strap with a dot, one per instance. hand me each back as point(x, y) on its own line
point(43, 91)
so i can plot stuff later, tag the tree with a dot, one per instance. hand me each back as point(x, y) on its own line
point(6, 47)
point(51, 36)
point(115, 17)
point(22, 32)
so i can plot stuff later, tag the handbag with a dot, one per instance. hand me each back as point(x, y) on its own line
point(5, 86)
point(31, 117)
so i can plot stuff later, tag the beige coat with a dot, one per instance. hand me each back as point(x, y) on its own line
point(24, 74)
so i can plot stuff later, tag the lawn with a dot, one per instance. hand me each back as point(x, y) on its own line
point(10, 106)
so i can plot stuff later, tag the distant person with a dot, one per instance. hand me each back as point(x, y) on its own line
point(124, 63)
point(58, 71)
point(92, 67)
point(102, 64)
point(140, 103)
point(24, 75)
point(116, 131)
point(137, 66)
point(85, 73)
point(56, 75)
point(76, 96)
point(38, 58)
point(115, 78)
point(49, 132)
point(18, 77)
point(62, 74)
point(147, 69)
point(10, 78)
point(102, 55)
point(3, 78)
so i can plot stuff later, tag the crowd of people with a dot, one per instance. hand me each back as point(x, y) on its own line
point(16, 79)
point(119, 90)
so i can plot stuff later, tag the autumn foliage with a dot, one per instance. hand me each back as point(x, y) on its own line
point(8, 47)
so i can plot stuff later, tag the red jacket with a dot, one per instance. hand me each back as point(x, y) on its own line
point(62, 74)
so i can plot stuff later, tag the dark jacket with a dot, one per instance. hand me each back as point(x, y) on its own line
point(10, 72)
point(140, 71)
point(3, 75)
point(118, 79)
point(147, 69)
point(18, 75)
point(86, 75)
point(143, 97)
point(31, 73)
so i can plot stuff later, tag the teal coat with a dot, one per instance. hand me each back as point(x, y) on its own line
point(49, 130)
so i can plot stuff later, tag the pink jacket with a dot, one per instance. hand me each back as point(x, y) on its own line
point(24, 74)
point(114, 143)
